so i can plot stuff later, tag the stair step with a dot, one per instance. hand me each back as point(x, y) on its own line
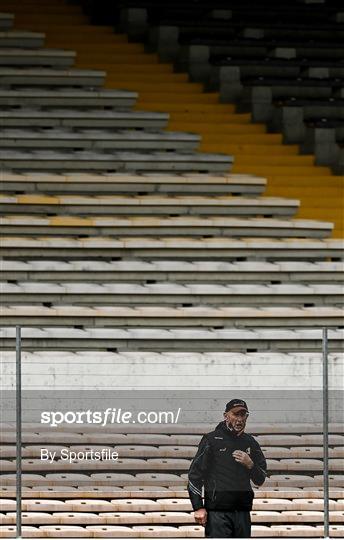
point(245, 149)
point(274, 160)
point(278, 170)
point(225, 129)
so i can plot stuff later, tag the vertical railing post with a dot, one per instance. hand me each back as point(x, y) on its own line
point(325, 433)
point(18, 435)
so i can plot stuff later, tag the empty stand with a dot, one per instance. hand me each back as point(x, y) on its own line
point(142, 217)
point(130, 500)
point(270, 66)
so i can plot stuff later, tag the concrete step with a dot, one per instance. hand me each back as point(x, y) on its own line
point(213, 118)
point(38, 98)
point(224, 249)
point(100, 42)
point(219, 129)
point(148, 205)
point(142, 339)
point(191, 183)
point(146, 67)
point(258, 150)
point(114, 161)
point(271, 160)
point(271, 140)
point(210, 226)
point(89, 53)
point(147, 97)
point(143, 272)
point(53, 58)
point(306, 182)
point(191, 107)
point(22, 39)
point(282, 170)
point(51, 77)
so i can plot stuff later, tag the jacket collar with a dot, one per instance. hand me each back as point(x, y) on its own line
point(222, 426)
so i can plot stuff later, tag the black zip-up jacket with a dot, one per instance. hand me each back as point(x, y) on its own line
point(226, 482)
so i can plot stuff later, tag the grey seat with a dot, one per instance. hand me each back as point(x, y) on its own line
point(76, 119)
point(43, 57)
point(42, 97)
point(11, 76)
point(195, 183)
point(6, 21)
point(97, 139)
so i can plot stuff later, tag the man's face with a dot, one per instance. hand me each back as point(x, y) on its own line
point(237, 418)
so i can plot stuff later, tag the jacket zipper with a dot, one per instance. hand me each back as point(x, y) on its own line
point(213, 495)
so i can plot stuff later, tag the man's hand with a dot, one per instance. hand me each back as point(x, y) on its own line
point(201, 516)
point(243, 458)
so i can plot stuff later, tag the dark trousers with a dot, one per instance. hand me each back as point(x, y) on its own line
point(232, 524)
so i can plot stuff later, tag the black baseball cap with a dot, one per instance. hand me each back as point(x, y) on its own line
point(236, 403)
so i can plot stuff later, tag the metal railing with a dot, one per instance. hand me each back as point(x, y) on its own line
point(325, 430)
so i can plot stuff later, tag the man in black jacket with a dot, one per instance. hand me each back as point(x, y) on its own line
point(226, 461)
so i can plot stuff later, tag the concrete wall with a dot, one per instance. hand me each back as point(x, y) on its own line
point(278, 387)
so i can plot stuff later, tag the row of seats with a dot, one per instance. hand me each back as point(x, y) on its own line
point(189, 451)
point(106, 509)
point(167, 317)
point(177, 291)
point(178, 271)
point(190, 110)
point(185, 531)
point(190, 339)
point(291, 497)
point(161, 464)
point(286, 71)
point(41, 133)
point(96, 482)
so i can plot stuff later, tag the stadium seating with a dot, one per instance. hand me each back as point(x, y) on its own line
point(280, 66)
point(256, 152)
point(102, 503)
point(120, 237)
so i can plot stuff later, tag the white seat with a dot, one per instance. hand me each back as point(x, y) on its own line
point(177, 505)
point(8, 531)
point(110, 531)
point(64, 531)
point(45, 505)
point(156, 531)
